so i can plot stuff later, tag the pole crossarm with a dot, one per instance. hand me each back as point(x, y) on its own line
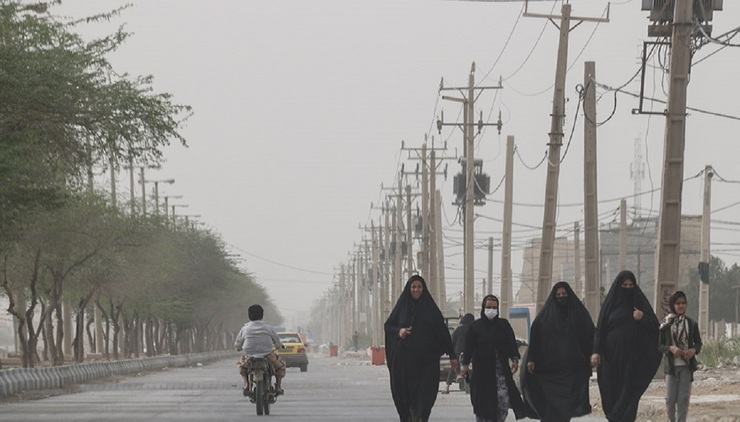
point(526, 14)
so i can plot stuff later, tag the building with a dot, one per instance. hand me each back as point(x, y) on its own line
point(642, 238)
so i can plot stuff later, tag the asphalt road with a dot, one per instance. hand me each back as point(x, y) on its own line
point(333, 389)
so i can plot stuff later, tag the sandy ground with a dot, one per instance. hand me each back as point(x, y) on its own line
point(715, 397)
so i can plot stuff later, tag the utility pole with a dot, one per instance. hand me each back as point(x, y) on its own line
point(577, 266)
point(468, 128)
point(553, 157)
point(488, 287)
point(590, 194)
point(429, 172)
point(385, 291)
point(669, 236)
point(623, 235)
point(704, 261)
point(507, 287)
point(439, 262)
point(409, 235)
point(377, 339)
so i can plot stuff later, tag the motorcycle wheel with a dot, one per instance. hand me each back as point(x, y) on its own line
point(268, 390)
point(259, 397)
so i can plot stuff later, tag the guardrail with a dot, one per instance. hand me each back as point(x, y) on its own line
point(16, 380)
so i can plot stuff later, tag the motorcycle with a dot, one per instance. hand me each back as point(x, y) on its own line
point(263, 392)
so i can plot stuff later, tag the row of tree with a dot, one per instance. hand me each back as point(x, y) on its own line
point(64, 110)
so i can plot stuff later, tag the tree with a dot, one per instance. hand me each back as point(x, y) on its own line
point(63, 108)
point(721, 294)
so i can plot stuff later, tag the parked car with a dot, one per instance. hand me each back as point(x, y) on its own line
point(294, 354)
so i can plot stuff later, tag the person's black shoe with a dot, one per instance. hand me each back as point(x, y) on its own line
point(247, 392)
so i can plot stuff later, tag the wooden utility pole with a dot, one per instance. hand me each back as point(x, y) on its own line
point(669, 236)
point(704, 261)
point(507, 288)
point(590, 194)
point(468, 128)
point(556, 141)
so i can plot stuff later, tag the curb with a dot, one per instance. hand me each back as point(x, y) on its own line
point(16, 380)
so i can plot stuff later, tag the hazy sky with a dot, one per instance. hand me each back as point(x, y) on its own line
point(301, 106)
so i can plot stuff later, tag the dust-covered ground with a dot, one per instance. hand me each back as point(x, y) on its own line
point(715, 397)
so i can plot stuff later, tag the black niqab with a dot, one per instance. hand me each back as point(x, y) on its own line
point(413, 362)
point(629, 356)
point(560, 343)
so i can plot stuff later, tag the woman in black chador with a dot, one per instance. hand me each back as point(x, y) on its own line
point(557, 367)
point(490, 345)
point(625, 351)
point(415, 338)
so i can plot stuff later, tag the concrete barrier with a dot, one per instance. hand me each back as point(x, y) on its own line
point(15, 380)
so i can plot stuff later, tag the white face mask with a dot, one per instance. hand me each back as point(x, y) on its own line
point(490, 313)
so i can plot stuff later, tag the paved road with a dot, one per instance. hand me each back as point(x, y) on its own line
point(332, 390)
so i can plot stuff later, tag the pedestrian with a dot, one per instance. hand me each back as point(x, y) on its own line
point(624, 351)
point(555, 382)
point(458, 340)
point(490, 345)
point(415, 338)
point(680, 342)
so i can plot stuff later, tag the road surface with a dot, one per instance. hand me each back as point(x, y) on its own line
point(333, 389)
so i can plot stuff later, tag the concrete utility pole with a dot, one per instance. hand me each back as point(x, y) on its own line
point(704, 261)
point(428, 265)
point(397, 280)
point(507, 288)
point(623, 235)
point(590, 194)
point(556, 141)
point(385, 289)
point(578, 286)
point(424, 244)
point(488, 287)
point(468, 128)
point(669, 235)
point(409, 235)
point(377, 339)
point(439, 262)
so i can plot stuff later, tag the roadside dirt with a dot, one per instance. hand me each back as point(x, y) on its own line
point(715, 397)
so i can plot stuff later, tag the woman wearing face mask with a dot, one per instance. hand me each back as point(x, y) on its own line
point(555, 382)
point(415, 338)
point(680, 342)
point(624, 348)
point(490, 345)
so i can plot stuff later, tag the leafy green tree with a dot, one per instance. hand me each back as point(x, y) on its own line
point(63, 108)
point(721, 293)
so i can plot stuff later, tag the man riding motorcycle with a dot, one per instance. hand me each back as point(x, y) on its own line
point(257, 338)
